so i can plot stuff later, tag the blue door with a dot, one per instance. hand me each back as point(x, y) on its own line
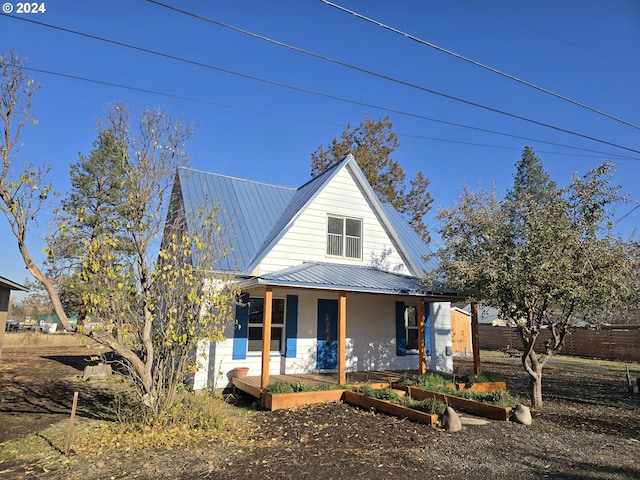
point(327, 354)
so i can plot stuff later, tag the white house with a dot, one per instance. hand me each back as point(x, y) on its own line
point(340, 270)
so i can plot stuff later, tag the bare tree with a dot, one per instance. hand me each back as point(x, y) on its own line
point(23, 188)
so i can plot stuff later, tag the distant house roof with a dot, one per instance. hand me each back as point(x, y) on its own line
point(260, 214)
point(351, 278)
point(11, 285)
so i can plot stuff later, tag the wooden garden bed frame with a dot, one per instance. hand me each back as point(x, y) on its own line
point(481, 386)
point(473, 407)
point(391, 408)
point(277, 401)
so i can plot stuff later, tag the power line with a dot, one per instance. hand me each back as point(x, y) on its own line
point(171, 95)
point(391, 79)
point(627, 214)
point(481, 65)
point(310, 120)
point(332, 97)
point(547, 34)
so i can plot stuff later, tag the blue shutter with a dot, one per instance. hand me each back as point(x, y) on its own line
point(241, 330)
point(401, 335)
point(427, 330)
point(291, 326)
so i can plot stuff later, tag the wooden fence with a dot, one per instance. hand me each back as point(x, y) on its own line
point(611, 344)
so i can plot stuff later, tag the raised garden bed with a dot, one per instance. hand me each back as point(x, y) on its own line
point(474, 407)
point(481, 386)
point(391, 408)
point(277, 401)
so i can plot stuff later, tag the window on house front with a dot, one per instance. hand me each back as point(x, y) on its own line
point(344, 237)
point(411, 327)
point(256, 317)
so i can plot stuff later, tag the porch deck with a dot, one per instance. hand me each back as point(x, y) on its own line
point(379, 378)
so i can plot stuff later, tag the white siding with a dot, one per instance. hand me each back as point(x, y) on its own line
point(371, 339)
point(441, 359)
point(306, 240)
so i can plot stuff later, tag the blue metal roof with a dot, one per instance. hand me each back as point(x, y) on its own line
point(414, 246)
point(334, 276)
point(248, 209)
point(258, 214)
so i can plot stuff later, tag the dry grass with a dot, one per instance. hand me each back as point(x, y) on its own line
point(45, 340)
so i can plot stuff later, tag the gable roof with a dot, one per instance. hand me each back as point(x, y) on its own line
point(260, 214)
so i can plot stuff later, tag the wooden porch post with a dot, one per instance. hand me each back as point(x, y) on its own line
point(342, 338)
point(422, 350)
point(266, 338)
point(475, 339)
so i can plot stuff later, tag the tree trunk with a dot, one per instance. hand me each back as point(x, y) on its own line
point(533, 366)
point(535, 388)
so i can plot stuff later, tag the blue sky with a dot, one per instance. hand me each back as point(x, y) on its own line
point(586, 50)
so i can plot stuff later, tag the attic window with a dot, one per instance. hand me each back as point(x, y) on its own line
point(344, 237)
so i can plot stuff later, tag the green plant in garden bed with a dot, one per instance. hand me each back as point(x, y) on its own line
point(437, 383)
point(430, 405)
point(428, 381)
point(379, 393)
point(500, 397)
point(475, 378)
point(287, 387)
point(427, 405)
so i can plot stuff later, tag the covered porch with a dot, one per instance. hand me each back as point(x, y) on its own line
point(345, 283)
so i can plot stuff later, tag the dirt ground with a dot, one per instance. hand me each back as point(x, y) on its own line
point(589, 428)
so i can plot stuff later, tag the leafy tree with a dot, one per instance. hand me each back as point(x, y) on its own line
point(153, 314)
point(155, 302)
point(91, 209)
point(23, 190)
point(543, 256)
point(372, 143)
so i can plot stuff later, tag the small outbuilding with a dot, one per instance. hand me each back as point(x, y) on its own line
point(6, 286)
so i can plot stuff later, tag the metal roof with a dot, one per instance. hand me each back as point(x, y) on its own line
point(258, 214)
point(11, 285)
point(334, 276)
point(414, 246)
point(250, 209)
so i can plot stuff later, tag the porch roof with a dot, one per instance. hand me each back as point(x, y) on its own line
point(342, 277)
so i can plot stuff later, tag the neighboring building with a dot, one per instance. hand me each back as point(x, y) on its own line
point(487, 314)
point(6, 286)
point(341, 268)
point(461, 331)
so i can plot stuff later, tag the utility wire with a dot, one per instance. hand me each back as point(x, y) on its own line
point(550, 35)
point(627, 214)
point(332, 97)
point(478, 64)
point(172, 95)
point(310, 120)
point(388, 78)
